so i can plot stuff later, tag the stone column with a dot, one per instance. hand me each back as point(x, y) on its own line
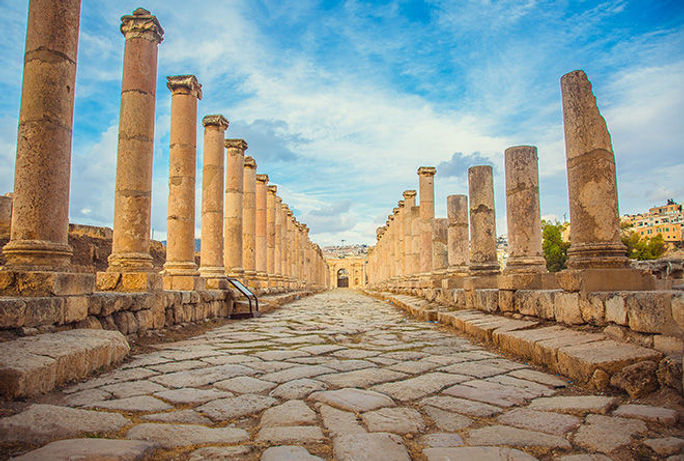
point(592, 187)
point(416, 240)
point(271, 235)
point(457, 214)
point(482, 221)
point(180, 270)
point(232, 216)
point(130, 264)
point(281, 233)
point(522, 211)
point(289, 249)
point(211, 252)
point(261, 247)
point(426, 187)
point(249, 222)
point(409, 202)
point(399, 241)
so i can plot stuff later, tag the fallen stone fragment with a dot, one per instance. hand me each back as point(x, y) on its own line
point(41, 423)
point(142, 403)
point(351, 399)
point(607, 433)
point(543, 421)
point(665, 446)
point(285, 434)
point(505, 435)
point(290, 413)
point(233, 407)
point(377, 445)
point(91, 450)
point(648, 413)
point(339, 422)
point(394, 420)
point(574, 404)
point(637, 379)
point(441, 439)
point(288, 453)
point(179, 435)
point(476, 453)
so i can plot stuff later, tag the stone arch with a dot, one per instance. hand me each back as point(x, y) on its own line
point(342, 278)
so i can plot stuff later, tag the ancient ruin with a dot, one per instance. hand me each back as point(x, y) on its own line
point(455, 358)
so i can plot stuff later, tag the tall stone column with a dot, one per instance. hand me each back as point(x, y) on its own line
point(39, 239)
point(416, 240)
point(522, 211)
point(130, 264)
point(281, 243)
point(439, 247)
point(271, 235)
point(232, 215)
point(482, 221)
point(180, 270)
point(399, 242)
point(289, 236)
point(592, 186)
point(211, 251)
point(426, 188)
point(249, 222)
point(409, 202)
point(457, 215)
point(261, 247)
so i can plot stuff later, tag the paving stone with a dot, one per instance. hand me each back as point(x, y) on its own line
point(477, 369)
point(91, 449)
point(271, 367)
point(420, 386)
point(463, 406)
point(180, 416)
point(361, 378)
point(539, 377)
point(41, 423)
point(170, 367)
point(665, 446)
point(280, 355)
point(321, 349)
point(285, 434)
point(298, 389)
point(648, 413)
point(142, 403)
point(245, 385)
point(446, 420)
point(288, 453)
point(377, 445)
point(574, 404)
point(339, 422)
point(394, 420)
point(293, 373)
point(500, 395)
point(86, 397)
point(180, 435)
point(348, 365)
point(416, 366)
point(505, 435)
point(441, 439)
point(190, 395)
point(117, 376)
point(543, 421)
point(607, 433)
point(593, 457)
point(202, 376)
point(233, 407)
point(220, 453)
point(355, 354)
point(476, 453)
point(353, 399)
point(132, 388)
point(290, 413)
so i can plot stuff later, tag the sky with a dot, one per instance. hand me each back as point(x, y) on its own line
point(342, 101)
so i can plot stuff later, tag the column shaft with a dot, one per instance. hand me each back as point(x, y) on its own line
point(249, 222)
point(271, 234)
point(457, 214)
point(427, 215)
point(233, 204)
point(482, 221)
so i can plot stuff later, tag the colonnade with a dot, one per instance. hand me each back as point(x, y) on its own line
point(247, 231)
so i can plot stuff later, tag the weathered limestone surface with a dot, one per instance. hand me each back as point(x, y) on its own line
point(260, 231)
point(482, 221)
point(457, 215)
point(249, 221)
point(91, 449)
point(426, 187)
point(233, 207)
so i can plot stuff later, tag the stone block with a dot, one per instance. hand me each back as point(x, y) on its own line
point(506, 302)
point(479, 282)
point(44, 311)
point(129, 281)
point(637, 379)
point(531, 281)
point(650, 312)
point(183, 282)
point(617, 279)
point(566, 308)
point(114, 302)
point(125, 322)
point(144, 319)
point(592, 308)
point(12, 312)
point(75, 308)
point(521, 343)
point(546, 350)
point(668, 344)
point(45, 283)
point(615, 309)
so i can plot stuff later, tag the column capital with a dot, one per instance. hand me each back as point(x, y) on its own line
point(142, 24)
point(239, 144)
point(250, 162)
point(215, 120)
point(262, 178)
point(279, 200)
point(408, 194)
point(427, 171)
point(272, 189)
point(395, 210)
point(184, 84)
point(400, 204)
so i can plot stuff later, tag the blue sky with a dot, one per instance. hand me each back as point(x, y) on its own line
point(342, 101)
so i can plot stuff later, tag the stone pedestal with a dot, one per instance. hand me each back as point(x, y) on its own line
point(180, 271)
point(483, 259)
point(211, 253)
point(427, 214)
point(261, 245)
point(130, 264)
point(233, 208)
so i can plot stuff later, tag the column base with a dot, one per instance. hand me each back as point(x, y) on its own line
point(437, 277)
point(528, 281)
point(174, 282)
point(237, 273)
point(215, 283)
point(454, 278)
point(37, 255)
point(590, 280)
point(17, 282)
point(129, 281)
point(604, 255)
point(130, 262)
point(250, 280)
point(262, 280)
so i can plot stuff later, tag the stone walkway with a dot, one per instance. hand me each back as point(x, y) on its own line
point(336, 376)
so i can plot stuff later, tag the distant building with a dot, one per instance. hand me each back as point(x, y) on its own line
point(666, 220)
point(348, 272)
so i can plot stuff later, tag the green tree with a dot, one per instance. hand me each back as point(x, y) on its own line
point(643, 248)
point(555, 249)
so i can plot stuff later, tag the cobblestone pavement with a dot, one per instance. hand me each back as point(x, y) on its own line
point(338, 376)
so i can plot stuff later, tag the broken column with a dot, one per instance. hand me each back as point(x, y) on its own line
point(271, 235)
point(457, 241)
point(439, 247)
point(261, 246)
point(180, 270)
point(483, 259)
point(592, 187)
point(211, 251)
point(249, 222)
point(130, 264)
point(426, 188)
point(233, 203)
